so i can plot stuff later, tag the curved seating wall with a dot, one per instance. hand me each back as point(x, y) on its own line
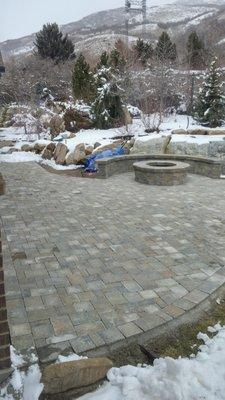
point(209, 167)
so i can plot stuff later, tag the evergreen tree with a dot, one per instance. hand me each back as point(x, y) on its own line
point(144, 50)
point(195, 51)
point(51, 43)
point(104, 60)
point(82, 80)
point(165, 50)
point(116, 60)
point(107, 108)
point(210, 107)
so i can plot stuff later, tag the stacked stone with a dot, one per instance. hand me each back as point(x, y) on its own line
point(5, 363)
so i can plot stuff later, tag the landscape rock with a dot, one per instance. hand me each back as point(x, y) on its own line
point(13, 150)
point(76, 120)
point(60, 153)
point(69, 158)
point(56, 125)
point(217, 149)
point(110, 146)
point(79, 154)
point(39, 147)
point(26, 147)
point(191, 149)
point(96, 145)
point(179, 132)
point(217, 132)
point(51, 147)
point(196, 132)
point(151, 146)
point(71, 135)
point(59, 378)
point(6, 143)
point(47, 154)
point(89, 150)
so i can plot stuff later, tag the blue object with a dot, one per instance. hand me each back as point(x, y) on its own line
point(90, 165)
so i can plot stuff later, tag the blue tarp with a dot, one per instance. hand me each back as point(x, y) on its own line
point(90, 165)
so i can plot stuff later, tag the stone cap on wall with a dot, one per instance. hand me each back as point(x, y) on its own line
point(135, 157)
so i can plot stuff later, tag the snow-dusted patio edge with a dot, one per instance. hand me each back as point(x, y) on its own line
point(197, 377)
point(189, 316)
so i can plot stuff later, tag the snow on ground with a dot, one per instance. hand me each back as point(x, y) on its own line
point(70, 357)
point(52, 164)
point(23, 385)
point(18, 134)
point(200, 377)
point(20, 156)
point(103, 137)
point(26, 385)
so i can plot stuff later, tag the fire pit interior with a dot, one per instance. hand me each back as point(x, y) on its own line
point(160, 172)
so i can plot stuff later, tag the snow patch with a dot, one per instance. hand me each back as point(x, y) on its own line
point(198, 377)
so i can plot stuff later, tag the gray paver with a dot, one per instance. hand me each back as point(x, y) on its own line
point(88, 276)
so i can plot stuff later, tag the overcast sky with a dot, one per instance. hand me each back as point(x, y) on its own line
point(22, 17)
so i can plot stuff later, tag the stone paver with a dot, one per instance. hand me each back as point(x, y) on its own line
point(90, 262)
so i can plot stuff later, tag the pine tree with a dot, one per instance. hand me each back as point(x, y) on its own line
point(116, 60)
point(51, 43)
point(82, 80)
point(104, 60)
point(165, 50)
point(210, 107)
point(195, 51)
point(144, 50)
point(107, 108)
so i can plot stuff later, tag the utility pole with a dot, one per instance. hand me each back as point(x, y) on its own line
point(136, 6)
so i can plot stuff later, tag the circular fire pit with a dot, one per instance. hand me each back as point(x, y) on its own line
point(161, 172)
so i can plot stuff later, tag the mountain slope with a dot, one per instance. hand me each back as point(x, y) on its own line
point(98, 31)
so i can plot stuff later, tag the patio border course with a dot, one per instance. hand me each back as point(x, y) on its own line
point(5, 362)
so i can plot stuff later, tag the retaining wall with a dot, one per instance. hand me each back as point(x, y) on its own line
point(209, 167)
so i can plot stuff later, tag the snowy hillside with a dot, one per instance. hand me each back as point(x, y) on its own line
point(178, 18)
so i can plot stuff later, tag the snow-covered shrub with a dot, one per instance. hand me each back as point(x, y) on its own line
point(107, 109)
point(210, 107)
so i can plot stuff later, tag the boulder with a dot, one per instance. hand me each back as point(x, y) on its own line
point(217, 132)
point(39, 147)
point(69, 158)
point(151, 146)
point(13, 150)
point(60, 153)
point(56, 126)
point(46, 154)
point(59, 378)
point(96, 145)
point(196, 132)
point(191, 149)
point(79, 154)
point(71, 135)
point(110, 146)
point(179, 132)
point(217, 149)
point(89, 150)
point(6, 143)
point(26, 147)
point(51, 147)
point(76, 120)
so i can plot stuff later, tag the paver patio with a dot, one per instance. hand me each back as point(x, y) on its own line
point(89, 262)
